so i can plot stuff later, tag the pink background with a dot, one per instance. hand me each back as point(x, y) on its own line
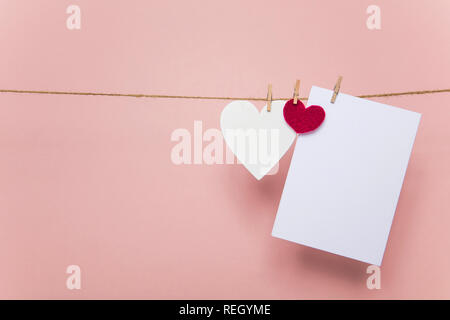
point(89, 180)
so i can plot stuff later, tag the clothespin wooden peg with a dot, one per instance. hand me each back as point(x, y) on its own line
point(269, 98)
point(336, 89)
point(296, 90)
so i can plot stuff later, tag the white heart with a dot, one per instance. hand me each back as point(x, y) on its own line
point(265, 136)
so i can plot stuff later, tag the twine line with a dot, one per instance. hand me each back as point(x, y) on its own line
point(162, 96)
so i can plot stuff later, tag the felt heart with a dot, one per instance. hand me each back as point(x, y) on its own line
point(302, 119)
point(258, 139)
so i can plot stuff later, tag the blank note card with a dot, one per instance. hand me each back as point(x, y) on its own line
point(345, 178)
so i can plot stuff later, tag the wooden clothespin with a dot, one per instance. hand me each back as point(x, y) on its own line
point(336, 89)
point(269, 98)
point(296, 90)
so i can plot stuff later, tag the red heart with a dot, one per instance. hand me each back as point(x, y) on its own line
point(302, 119)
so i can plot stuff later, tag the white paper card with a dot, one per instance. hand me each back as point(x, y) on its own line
point(345, 178)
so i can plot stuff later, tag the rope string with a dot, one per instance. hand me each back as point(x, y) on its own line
point(162, 96)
